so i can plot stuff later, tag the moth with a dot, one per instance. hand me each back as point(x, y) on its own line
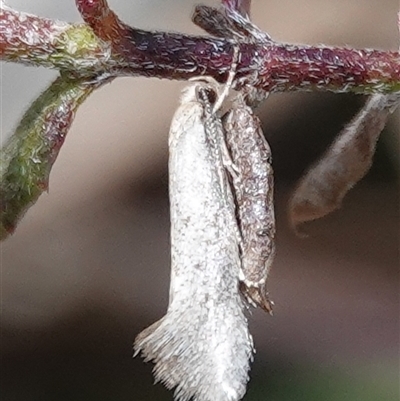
point(253, 187)
point(202, 346)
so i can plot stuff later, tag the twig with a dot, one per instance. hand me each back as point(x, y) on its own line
point(265, 65)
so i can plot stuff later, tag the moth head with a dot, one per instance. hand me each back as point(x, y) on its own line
point(206, 95)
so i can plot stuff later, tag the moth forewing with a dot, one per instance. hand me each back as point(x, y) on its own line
point(202, 346)
point(254, 197)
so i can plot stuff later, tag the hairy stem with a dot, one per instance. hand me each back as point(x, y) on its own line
point(28, 156)
point(126, 51)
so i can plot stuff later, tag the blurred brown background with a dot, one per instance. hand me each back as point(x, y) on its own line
point(88, 268)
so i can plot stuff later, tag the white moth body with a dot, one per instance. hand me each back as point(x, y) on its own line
point(254, 190)
point(202, 345)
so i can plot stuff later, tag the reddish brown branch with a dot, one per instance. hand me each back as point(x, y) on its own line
point(20, 33)
point(120, 50)
point(104, 22)
point(32, 40)
point(266, 65)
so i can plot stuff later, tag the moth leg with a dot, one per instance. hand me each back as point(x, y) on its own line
point(226, 157)
point(228, 84)
point(227, 160)
point(215, 86)
point(228, 163)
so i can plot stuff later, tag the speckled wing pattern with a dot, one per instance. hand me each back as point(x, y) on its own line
point(202, 346)
point(254, 191)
